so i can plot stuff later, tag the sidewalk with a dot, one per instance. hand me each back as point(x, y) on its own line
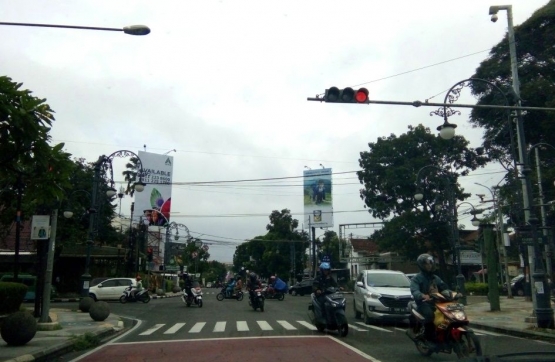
point(514, 318)
point(510, 320)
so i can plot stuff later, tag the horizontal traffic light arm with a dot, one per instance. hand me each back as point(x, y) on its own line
point(449, 105)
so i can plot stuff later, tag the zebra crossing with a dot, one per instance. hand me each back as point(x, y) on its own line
point(266, 326)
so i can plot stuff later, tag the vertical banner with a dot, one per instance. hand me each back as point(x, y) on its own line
point(317, 194)
point(155, 200)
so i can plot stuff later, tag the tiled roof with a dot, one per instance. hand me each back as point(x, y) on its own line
point(364, 246)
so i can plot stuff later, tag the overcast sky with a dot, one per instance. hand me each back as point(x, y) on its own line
point(224, 84)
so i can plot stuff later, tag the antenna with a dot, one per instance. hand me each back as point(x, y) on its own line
point(322, 166)
point(170, 151)
point(144, 146)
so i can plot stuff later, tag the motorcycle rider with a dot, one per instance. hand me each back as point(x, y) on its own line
point(230, 287)
point(187, 285)
point(239, 284)
point(422, 286)
point(252, 284)
point(321, 283)
point(138, 287)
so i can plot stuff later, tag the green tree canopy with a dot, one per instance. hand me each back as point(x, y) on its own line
point(388, 176)
point(270, 254)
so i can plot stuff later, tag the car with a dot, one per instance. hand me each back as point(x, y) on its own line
point(95, 281)
point(301, 288)
point(411, 275)
point(382, 295)
point(111, 289)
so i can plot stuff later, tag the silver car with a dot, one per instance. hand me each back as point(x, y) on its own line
point(382, 295)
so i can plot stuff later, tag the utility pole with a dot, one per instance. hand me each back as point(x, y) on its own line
point(493, 290)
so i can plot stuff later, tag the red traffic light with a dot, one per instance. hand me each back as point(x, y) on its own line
point(346, 95)
point(361, 95)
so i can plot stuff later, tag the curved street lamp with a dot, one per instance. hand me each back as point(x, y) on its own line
point(104, 162)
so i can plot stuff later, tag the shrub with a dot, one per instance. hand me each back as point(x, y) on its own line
point(11, 297)
point(169, 286)
point(479, 288)
point(99, 311)
point(85, 304)
point(85, 341)
point(19, 328)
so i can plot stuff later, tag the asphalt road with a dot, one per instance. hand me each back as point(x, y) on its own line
point(233, 322)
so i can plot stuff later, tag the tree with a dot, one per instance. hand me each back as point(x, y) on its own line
point(29, 166)
point(330, 246)
point(271, 253)
point(536, 70)
point(388, 177)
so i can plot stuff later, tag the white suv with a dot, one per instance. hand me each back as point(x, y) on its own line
point(382, 295)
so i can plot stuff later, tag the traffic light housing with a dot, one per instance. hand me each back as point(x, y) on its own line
point(346, 95)
point(149, 255)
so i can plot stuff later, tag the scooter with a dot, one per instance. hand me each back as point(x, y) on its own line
point(271, 293)
point(332, 315)
point(196, 297)
point(452, 332)
point(141, 296)
point(234, 295)
point(256, 300)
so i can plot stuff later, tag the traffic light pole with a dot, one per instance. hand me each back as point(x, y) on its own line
point(418, 104)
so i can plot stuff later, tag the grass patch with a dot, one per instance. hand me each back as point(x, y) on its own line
point(85, 341)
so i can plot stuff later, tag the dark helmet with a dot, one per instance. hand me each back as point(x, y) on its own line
point(252, 276)
point(185, 275)
point(424, 259)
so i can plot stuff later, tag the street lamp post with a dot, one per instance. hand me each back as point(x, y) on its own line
point(104, 162)
point(497, 207)
point(131, 30)
point(455, 244)
point(540, 287)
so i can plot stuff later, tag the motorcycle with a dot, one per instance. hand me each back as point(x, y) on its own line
point(452, 332)
point(128, 296)
point(195, 298)
point(234, 295)
point(332, 315)
point(271, 293)
point(257, 301)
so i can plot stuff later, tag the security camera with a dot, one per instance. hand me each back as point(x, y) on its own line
point(494, 18)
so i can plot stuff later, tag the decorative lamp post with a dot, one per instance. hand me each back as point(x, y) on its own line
point(104, 163)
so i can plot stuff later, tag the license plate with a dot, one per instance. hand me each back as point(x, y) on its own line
point(399, 310)
point(336, 296)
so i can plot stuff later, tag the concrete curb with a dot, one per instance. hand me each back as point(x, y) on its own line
point(512, 332)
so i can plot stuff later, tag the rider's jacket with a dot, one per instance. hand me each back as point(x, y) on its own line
point(426, 283)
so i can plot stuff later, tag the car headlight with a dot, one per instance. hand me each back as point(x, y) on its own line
point(375, 295)
point(459, 314)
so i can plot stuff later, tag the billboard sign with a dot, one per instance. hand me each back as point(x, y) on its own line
point(317, 195)
point(156, 197)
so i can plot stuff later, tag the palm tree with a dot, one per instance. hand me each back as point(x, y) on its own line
point(131, 175)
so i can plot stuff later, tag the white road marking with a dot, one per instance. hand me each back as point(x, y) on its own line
point(265, 326)
point(400, 329)
point(220, 327)
point(197, 327)
point(374, 327)
point(149, 331)
point(307, 325)
point(287, 325)
point(357, 328)
point(175, 328)
point(242, 326)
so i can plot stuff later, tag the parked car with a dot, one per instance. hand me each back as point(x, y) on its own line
point(382, 295)
point(111, 288)
point(301, 288)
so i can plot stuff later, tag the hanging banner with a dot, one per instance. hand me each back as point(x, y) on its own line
point(317, 194)
point(156, 197)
